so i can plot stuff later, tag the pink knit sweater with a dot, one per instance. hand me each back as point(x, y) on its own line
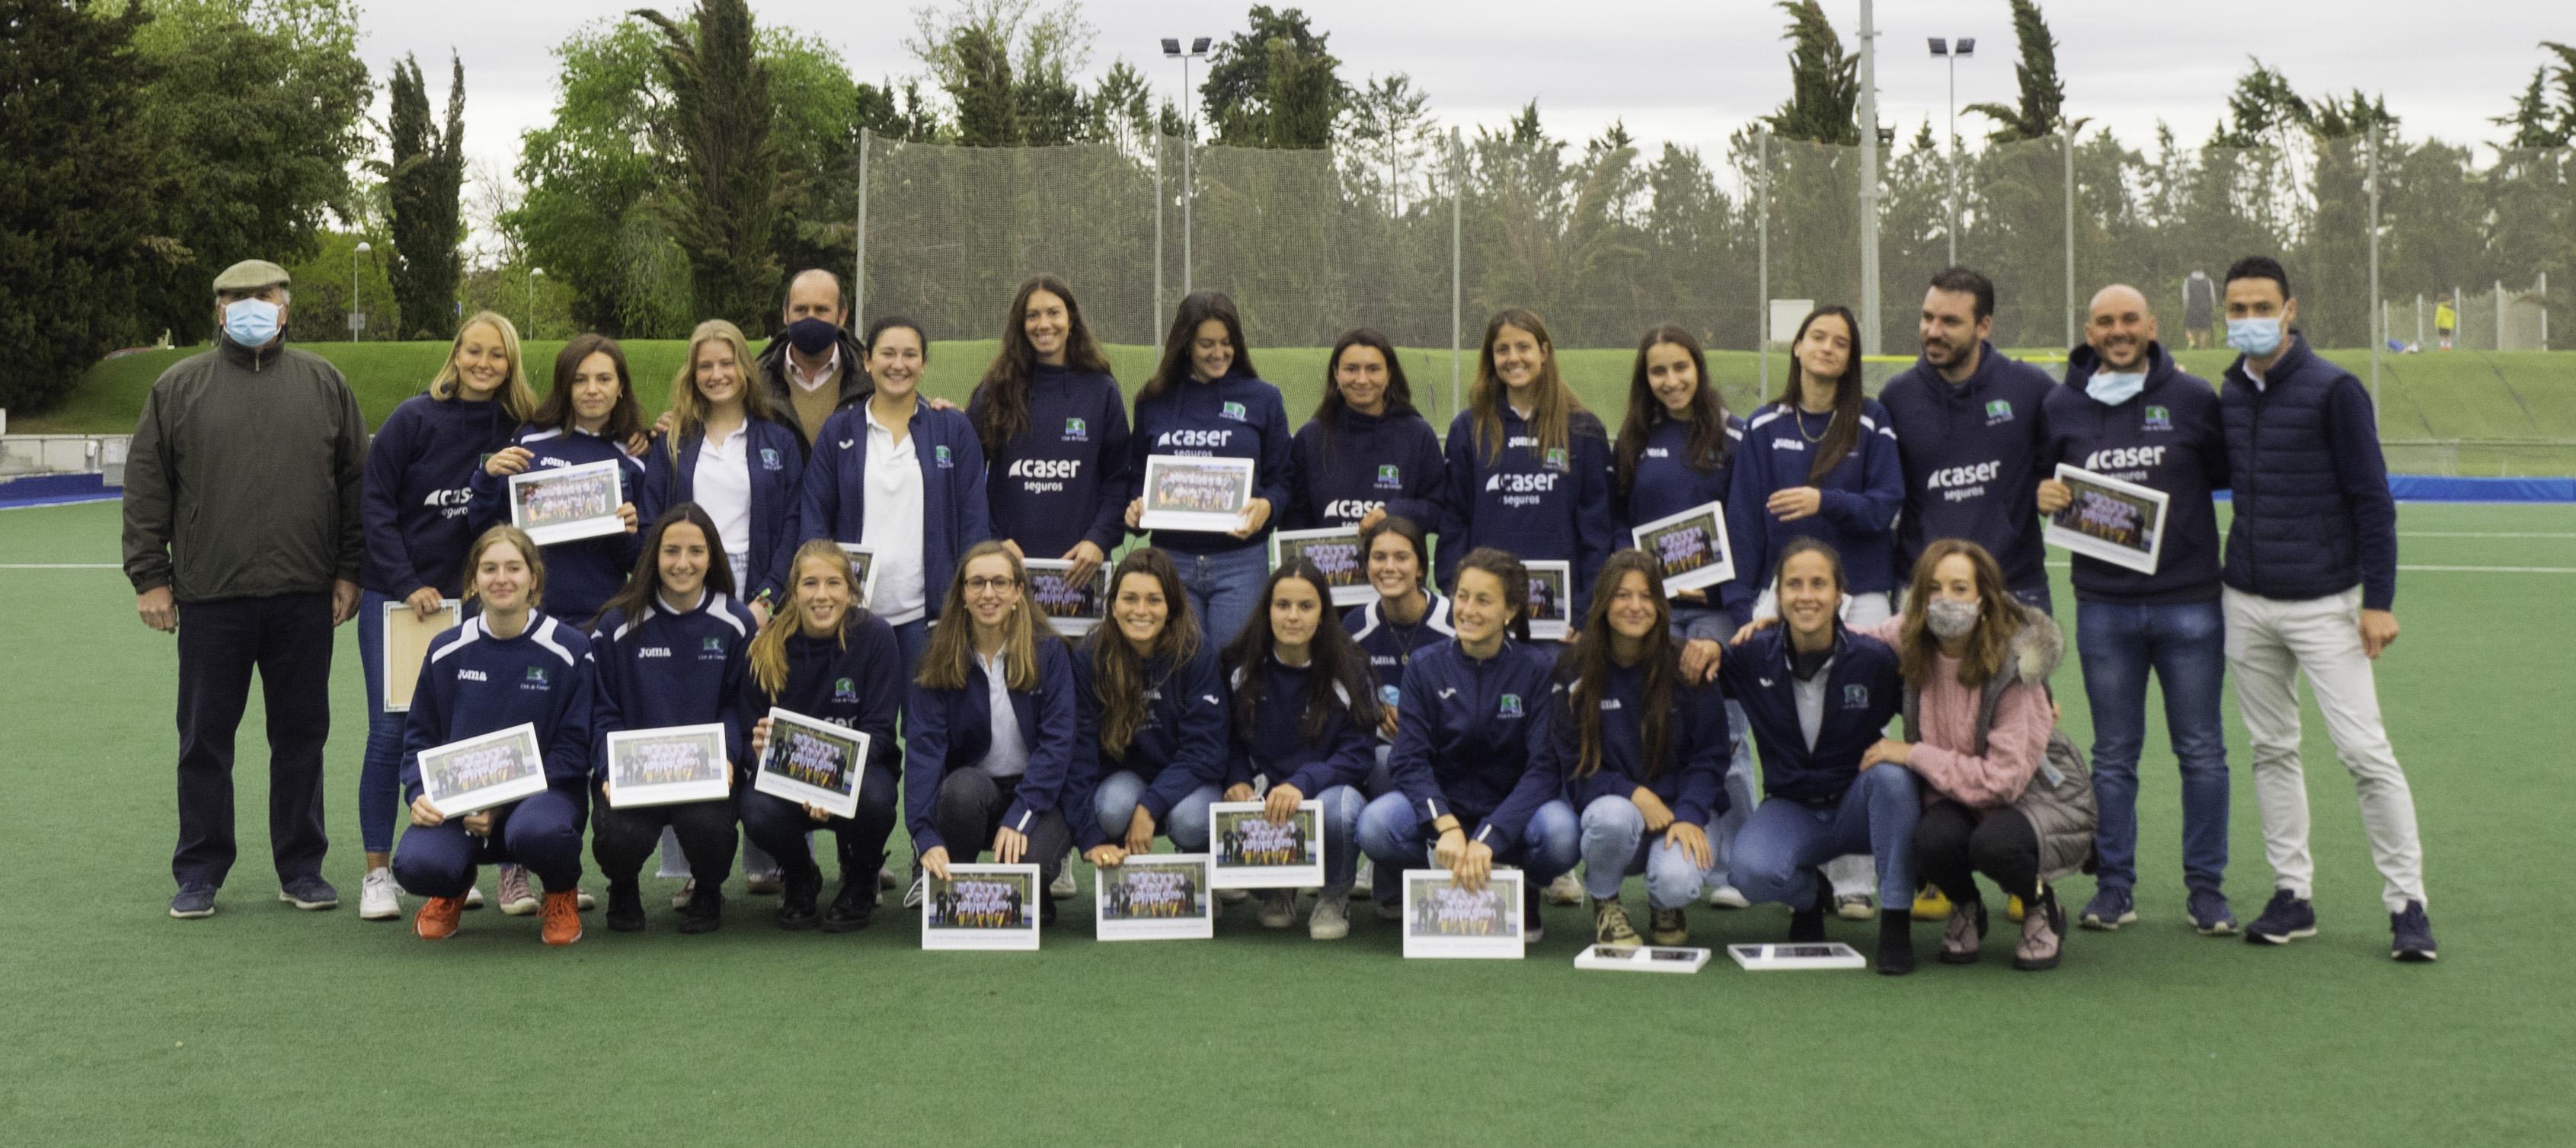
point(1948, 716)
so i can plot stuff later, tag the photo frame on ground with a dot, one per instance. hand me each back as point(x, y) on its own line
point(981, 907)
point(480, 772)
point(1444, 921)
point(406, 648)
point(671, 765)
point(2115, 520)
point(1641, 959)
point(1195, 492)
point(863, 562)
point(1796, 957)
point(564, 503)
point(1073, 610)
point(813, 762)
point(1551, 599)
point(1155, 897)
point(1335, 550)
point(1252, 853)
point(1691, 548)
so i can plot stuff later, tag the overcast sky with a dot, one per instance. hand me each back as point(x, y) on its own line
point(1688, 71)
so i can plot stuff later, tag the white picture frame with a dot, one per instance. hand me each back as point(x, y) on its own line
point(1642, 959)
point(1155, 897)
point(1691, 548)
point(1248, 853)
point(1551, 599)
point(669, 765)
point(1797, 957)
point(998, 910)
point(568, 503)
point(406, 648)
point(1444, 922)
point(1336, 551)
point(2115, 520)
point(1195, 492)
point(477, 773)
point(863, 560)
point(812, 762)
point(1073, 610)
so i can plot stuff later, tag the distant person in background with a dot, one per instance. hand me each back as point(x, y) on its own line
point(811, 368)
point(2199, 308)
point(2445, 321)
point(242, 519)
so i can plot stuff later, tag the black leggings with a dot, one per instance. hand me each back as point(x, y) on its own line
point(622, 839)
point(1952, 843)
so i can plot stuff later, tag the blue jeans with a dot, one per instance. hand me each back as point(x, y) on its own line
point(1616, 844)
point(1785, 841)
point(1224, 587)
point(2186, 645)
point(380, 769)
point(1393, 834)
point(1186, 822)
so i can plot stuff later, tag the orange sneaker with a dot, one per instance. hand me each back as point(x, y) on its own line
point(562, 917)
point(436, 920)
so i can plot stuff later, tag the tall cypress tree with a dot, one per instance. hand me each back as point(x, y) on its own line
point(724, 207)
point(423, 178)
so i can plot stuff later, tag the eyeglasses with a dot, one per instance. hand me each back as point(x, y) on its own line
point(990, 585)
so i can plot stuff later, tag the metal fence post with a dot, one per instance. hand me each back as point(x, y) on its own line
point(1762, 261)
point(2499, 309)
point(1869, 331)
point(2378, 310)
point(2068, 142)
point(1457, 259)
point(859, 258)
point(1156, 318)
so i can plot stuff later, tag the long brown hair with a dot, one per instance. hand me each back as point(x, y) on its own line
point(1334, 660)
point(1843, 432)
point(769, 647)
point(645, 584)
point(688, 408)
point(527, 550)
point(1555, 404)
point(624, 419)
point(1399, 393)
point(1589, 664)
point(1197, 307)
point(952, 646)
point(1998, 619)
point(1000, 404)
point(1515, 579)
point(1707, 450)
point(518, 400)
point(1118, 673)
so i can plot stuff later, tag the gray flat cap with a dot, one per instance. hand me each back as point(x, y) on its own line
point(251, 275)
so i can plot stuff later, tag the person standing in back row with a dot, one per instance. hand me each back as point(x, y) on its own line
point(2311, 576)
point(241, 518)
point(812, 368)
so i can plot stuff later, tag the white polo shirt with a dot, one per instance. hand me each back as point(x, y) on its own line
point(893, 529)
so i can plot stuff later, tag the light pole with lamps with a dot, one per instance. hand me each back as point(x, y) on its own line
point(355, 315)
point(1198, 51)
point(1967, 46)
point(534, 274)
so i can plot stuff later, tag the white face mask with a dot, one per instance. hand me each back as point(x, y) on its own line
point(2257, 336)
point(1951, 617)
point(2112, 388)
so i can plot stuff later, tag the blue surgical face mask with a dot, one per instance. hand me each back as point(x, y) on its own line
point(250, 323)
point(2256, 337)
point(2112, 388)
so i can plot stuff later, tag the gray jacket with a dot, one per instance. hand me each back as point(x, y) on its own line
point(243, 477)
point(2059, 799)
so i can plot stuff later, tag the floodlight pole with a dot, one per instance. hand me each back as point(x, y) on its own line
point(1868, 178)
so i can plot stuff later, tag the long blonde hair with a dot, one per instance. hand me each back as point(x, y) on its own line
point(518, 399)
point(527, 550)
point(769, 647)
point(1553, 405)
point(688, 411)
point(952, 646)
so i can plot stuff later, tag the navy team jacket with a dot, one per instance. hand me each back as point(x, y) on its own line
point(419, 485)
point(472, 683)
point(669, 668)
point(953, 729)
point(954, 516)
point(1862, 691)
point(1276, 745)
point(777, 462)
point(1537, 504)
point(1179, 747)
point(1971, 457)
point(852, 679)
point(1470, 737)
point(582, 574)
point(1362, 463)
point(1693, 782)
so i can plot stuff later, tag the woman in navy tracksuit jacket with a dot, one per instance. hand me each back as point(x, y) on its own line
point(1303, 721)
point(1366, 453)
point(1537, 486)
point(1204, 399)
point(1852, 505)
point(589, 416)
point(824, 656)
point(1054, 430)
point(1162, 705)
point(770, 454)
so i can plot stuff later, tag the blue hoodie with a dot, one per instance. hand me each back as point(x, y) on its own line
point(1862, 495)
point(419, 484)
point(777, 458)
point(1665, 483)
point(472, 683)
point(953, 513)
point(1862, 691)
point(1360, 463)
point(1238, 416)
point(853, 679)
point(1063, 480)
point(583, 574)
point(2166, 436)
point(1276, 745)
point(1390, 648)
point(1971, 457)
point(953, 729)
point(1179, 747)
point(1468, 734)
point(1551, 506)
point(1696, 744)
point(667, 669)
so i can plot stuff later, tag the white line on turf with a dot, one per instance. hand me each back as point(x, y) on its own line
point(61, 566)
point(2483, 534)
point(2403, 568)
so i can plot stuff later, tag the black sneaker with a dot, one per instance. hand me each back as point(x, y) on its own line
point(853, 908)
point(193, 902)
point(1807, 926)
point(1896, 942)
point(309, 892)
point(625, 907)
point(2413, 933)
point(2285, 919)
point(796, 901)
point(705, 913)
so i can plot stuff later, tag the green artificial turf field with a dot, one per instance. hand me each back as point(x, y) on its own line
point(268, 1026)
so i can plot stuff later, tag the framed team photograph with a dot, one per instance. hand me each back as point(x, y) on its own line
point(562, 503)
point(1796, 957)
point(406, 646)
point(984, 907)
point(478, 773)
point(667, 766)
point(813, 763)
point(1155, 897)
point(1442, 920)
point(1195, 492)
point(1335, 550)
point(863, 562)
point(1551, 600)
point(2117, 521)
point(1691, 547)
point(1074, 609)
point(1252, 852)
point(1641, 959)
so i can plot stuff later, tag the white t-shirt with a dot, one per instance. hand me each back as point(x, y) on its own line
point(893, 530)
point(722, 487)
point(1009, 756)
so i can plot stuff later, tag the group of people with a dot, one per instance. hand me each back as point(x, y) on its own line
point(1887, 555)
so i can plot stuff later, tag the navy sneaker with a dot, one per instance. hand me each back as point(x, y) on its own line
point(2287, 918)
point(2210, 914)
point(2110, 908)
point(2413, 934)
point(309, 892)
point(192, 902)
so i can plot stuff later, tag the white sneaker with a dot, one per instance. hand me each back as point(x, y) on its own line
point(379, 899)
point(515, 898)
point(1565, 890)
point(582, 900)
point(1232, 896)
point(885, 877)
point(680, 900)
point(1727, 897)
point(1331, 920)
point(473, 897)
point(1364, 886)
point(1278, 908)
point(912, 896)
point(1064, 886)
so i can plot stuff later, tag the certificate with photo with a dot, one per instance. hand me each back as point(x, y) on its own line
point(863, 562)
point(672, 765)
point(1335, 550)
point(813, 762)
point(1155, 897)
point(1253, 852)
point(1794, 957)
point(480, 772)
point(2117, 521)
point(406, 646)
point(1443, 920)
point(1195, 492)
point(1641, 959)
point(1074, 609)
point(981, 907)
point(1691, 547)
point(562, 503)
point(1551, 600)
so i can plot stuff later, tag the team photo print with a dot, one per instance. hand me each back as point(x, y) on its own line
point(1254, 852)
point(1196, 492)
point(407, 638)
point(561, 504)
point(1333, 550)
point(2117, 521)
point(813, 762)
point(1155, 897)
point(478, 773)
point(1445, 919)
point(863, 565)
point(667, 766)
point(1073, 608)
point(981, 907)
point(1551, 599)
point(1690, 547)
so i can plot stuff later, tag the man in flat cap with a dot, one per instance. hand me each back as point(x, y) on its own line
point(242, 537)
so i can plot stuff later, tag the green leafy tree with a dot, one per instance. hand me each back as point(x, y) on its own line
point(424, 174)
point(2040, 113)
point(723, 208)
point(592, 175)
point(1276, 85)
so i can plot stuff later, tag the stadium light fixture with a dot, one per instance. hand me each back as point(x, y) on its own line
point(1189, 105)
point(1967, 46)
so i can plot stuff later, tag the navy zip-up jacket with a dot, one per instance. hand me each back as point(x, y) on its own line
point(1971, 457)
point(1390, 648)
point(418, 489)
point(1179, 747)
point(777, 460)
point(1238, 416)
point(472, 683)
point(2313, 516)
point(1862, 495)
point(1696, 744)
point(1063, 480)
point(1535, 506)
point(2167, 436)
point(1471, 735)
point(1276, 746)
point(853, 679)
point(1665, 483)
point(672, 668)
point(1862, 691)
point(583, 574)
point(953, 729)
point(1360, 463)
point(954, 516)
